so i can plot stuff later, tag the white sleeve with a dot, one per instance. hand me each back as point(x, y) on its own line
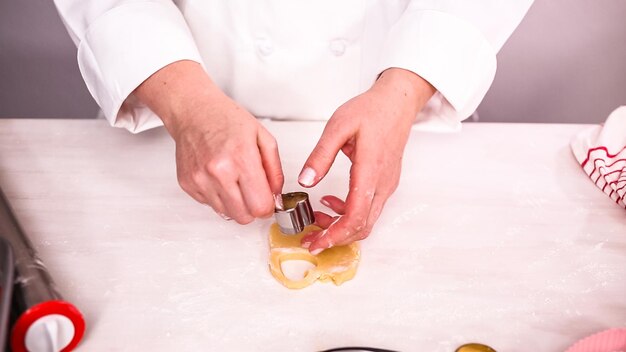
point(120, 44)
point(452, 44)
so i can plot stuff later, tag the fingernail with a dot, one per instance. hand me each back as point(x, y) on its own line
point(225, 217)
point(278, 202)
point(306, 245)
point(325, 202)
point(317, 251)
point(307, 176)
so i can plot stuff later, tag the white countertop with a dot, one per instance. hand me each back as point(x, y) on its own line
point(495, 235)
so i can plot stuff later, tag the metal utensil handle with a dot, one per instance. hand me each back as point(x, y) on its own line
point(7, 270)
point(33, 279)
point(35, 301)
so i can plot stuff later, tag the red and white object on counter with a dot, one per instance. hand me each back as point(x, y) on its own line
point(601, 151)
point(50, 326)
point(613, 340)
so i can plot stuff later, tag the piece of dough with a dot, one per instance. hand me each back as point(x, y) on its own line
point(338, 264)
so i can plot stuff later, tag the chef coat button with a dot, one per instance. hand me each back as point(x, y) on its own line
point(264, 46)
point(338, 46)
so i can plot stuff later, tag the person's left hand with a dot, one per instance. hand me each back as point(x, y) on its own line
point(371, 130)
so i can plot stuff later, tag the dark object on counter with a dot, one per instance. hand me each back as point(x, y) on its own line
point(475, 347)
point(7, 269)
point(357, 349)
point(41, 320)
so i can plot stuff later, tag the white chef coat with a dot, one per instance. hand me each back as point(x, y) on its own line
point(291, 59)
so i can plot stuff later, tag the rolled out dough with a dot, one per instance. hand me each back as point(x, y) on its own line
point(337, 264)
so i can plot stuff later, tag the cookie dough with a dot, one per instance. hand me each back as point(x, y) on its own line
point(337, 264)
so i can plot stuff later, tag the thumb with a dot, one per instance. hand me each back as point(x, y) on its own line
point(323, 155)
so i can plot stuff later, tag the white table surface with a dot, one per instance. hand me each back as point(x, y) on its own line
point(494, 235)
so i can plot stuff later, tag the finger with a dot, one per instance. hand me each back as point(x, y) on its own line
point(235, 205)
point(195, 186)
point(214, 201)
point(323, 220)
point(207, 192)
point(363, 180)
point(197, 196)
point(310, 237)
point(271, 160)
point(334, 203)
point(338, 234)
point(323, 155)
point(223, 173)
point(324, 239)
point(211, 201)
point(378, 203)
point(189, 186)
point(255, 189)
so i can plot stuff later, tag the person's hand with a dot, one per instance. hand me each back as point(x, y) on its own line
point(371, 130)
point(224, 157)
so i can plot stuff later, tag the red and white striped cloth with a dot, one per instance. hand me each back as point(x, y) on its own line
point(601, 151)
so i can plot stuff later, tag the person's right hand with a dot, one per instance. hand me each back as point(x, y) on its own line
point(224, 157)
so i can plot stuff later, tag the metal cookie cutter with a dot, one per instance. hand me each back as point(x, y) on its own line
point(295, 214)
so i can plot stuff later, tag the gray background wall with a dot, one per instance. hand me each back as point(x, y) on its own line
point(565, 63)
point(38, 71)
